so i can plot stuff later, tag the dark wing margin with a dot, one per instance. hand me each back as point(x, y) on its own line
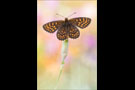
point(81, 22)
point(51, 27)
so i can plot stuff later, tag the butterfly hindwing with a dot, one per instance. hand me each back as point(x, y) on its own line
point(51, 27)
point(73, 32)
point(81, 22)
point(62, 33)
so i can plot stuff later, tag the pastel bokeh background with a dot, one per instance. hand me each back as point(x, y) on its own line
point(80, 70)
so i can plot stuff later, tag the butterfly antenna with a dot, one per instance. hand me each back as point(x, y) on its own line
point(72, 14)
point(59, 15)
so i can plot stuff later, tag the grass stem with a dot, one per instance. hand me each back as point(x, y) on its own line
point(64, 53)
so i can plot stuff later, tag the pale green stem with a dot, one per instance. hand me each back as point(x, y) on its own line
point(64, 53)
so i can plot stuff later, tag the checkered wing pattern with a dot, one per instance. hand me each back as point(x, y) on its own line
point(51, 27)
point(73, 32)
point(62, 33)
point(81, 22)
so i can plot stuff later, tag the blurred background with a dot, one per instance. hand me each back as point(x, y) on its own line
point(80, 70)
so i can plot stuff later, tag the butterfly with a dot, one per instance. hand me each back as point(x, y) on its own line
point(68, 28)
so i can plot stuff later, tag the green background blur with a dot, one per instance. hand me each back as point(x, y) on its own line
point(80, 70)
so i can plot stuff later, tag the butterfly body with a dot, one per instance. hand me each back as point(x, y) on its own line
point(68, 28)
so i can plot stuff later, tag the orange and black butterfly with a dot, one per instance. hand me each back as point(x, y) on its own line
point(67, 28)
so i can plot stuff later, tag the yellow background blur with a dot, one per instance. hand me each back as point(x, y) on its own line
point(80, 70)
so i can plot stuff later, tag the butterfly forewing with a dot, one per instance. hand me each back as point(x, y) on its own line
point(73, 32)
point(52, 26)
point(81, 22)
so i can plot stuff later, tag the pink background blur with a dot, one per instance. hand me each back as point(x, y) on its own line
point(80, 70)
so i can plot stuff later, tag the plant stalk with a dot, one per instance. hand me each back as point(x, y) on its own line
point(64, 53)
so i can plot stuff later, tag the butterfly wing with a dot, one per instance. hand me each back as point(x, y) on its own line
point(51, 27)
point(62, 33)
point(73, 32)
point(81, 22)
